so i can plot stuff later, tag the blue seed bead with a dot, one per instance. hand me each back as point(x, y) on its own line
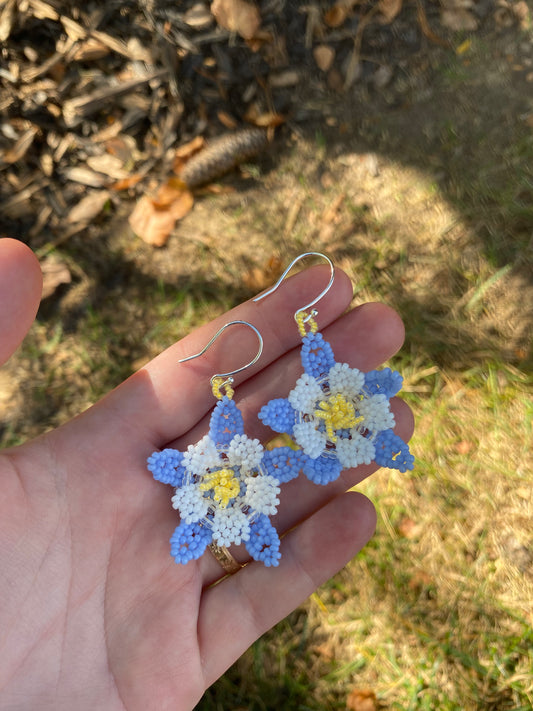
point(226, 422)
point(284, 463)
point(166, 466)
point(189, 541)
point(264, 542)
point(279, 415)
point(387, 382)
point(322, 470)
point(317, 355)
point(393, 452)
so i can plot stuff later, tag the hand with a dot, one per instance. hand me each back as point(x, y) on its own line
point(95, 614)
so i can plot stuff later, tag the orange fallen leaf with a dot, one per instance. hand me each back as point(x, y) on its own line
point(464, 447)
point(126, 183)
point(336, 15)
point(409, 528)
point(153, 221)
point(269, 119)
point(258, 278)
point(361, 700)
point(227, 120)
point(185, 152)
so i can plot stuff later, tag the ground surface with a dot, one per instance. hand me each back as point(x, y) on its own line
point(409, 163)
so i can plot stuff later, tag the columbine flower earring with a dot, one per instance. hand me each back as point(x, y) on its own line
point(224, 489)
point(337, 415)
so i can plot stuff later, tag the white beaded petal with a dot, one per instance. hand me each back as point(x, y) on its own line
point(311, 440)
point(305, 394)
point(345, 380)
point(201, 456)
point(190, 502)
point(376, 411)
point(244, 452)
point(354, 451)
point(230, 526)
point(261, 494)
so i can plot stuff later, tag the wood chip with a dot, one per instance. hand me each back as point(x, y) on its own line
point(108, 165)
point(21, 147)
point(75, 110)
point(237, 16)
point(324, 56)
point(7, 17)
point(84, 176)
point(55, 273)
point(88, 207)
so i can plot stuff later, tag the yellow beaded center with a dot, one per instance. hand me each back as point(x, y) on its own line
point(338, 413)
point(224, 483)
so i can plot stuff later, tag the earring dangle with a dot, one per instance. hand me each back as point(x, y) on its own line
point(339, 416)
point(224, 489)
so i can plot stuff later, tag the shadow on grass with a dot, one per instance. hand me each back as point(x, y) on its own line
point(470, 133)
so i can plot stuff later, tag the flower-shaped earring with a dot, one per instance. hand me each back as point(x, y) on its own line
point(225, 487)
point(339, 416)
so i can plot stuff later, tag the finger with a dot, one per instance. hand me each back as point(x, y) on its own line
point(165, 399)
point(20, 293)
point(241, 608)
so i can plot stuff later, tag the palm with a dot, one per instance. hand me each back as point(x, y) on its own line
point(97, 613)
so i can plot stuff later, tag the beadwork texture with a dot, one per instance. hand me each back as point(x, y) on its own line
point(339, 416)
point(226, 488)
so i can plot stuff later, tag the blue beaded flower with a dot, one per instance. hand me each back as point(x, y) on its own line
point(226, 488)
point(339, 416)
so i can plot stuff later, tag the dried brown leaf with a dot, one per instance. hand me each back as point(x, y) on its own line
point(237, 16)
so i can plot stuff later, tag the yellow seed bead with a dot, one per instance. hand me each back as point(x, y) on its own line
point(303, 319)
point(224, 484)
point(216, 387)
point(338, 414)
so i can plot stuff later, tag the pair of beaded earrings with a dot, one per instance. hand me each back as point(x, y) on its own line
point(227, 485)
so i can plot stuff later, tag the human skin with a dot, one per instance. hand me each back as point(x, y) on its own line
point(94, 612)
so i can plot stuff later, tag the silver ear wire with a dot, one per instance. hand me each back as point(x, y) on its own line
point(291, 265)
point(214, 338)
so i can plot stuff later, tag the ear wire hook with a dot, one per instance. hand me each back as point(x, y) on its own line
point(220, 376)
point(317, 299)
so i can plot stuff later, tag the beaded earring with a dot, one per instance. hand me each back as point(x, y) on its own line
point(226, 487)
point(338, 416)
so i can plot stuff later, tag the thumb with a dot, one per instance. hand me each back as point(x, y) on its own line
point(20, 292)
